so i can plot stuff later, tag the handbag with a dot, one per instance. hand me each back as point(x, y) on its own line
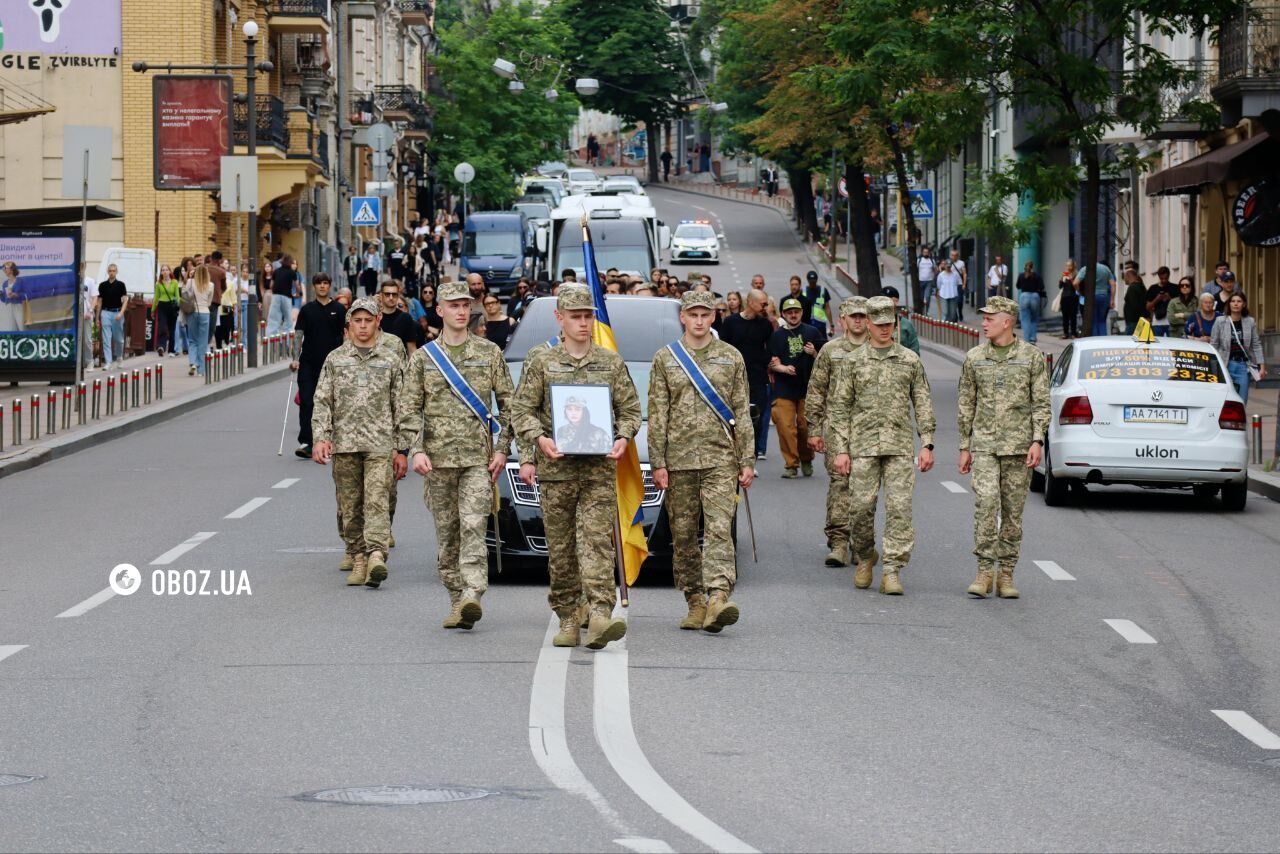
point(187, 298)
point(1056, 305)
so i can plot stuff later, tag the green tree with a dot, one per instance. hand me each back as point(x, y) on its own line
point(503, 135)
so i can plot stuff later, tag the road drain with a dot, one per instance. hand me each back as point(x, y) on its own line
point(18, 779)
point(395, 796)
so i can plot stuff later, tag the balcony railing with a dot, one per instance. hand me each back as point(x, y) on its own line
point(1249, 45)
point(1196, 88)
point(301, 8)
point(398, 99)
point(416, 12)
point(272, 127)
point(322, 151)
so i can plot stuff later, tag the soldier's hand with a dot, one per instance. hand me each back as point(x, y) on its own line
point(1034, 455)
point(816, 443)
point(926, 460)
point(496, 464)
point(293, 366)
point(422, 464)
point(966, 462)
point(746, 477)
point(400, 466)
point(321, 452)
point(528, 473)
point(841, 465)
point(661, 478)
point(619, 448)
point(548, 447)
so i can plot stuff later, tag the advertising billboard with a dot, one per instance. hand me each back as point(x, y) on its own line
point(192, 122)
point(1256, 213)
point(39, 295)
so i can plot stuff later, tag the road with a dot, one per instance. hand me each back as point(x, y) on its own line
point(828, 719)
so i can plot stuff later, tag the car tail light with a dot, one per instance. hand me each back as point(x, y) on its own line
point(1232, 417)
point(1076, 410)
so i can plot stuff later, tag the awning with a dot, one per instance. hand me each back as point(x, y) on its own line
point(1256, 157)
point(64, 215)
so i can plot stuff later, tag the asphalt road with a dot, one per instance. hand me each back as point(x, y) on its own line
point(827, 719)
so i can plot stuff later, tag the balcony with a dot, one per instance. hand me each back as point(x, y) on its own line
point(322, 152)
point(416, 13)
point(1179, 121)
point(1249, 63)
point(398, 103)
point(299, 17)
point(273, 129)
point(364, 109)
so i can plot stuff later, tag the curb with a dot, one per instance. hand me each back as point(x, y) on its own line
point(1264, 484)
point(69, 444)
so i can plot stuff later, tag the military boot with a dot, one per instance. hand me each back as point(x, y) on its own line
point(862, 575)
point(568, 634)
point(721, 612)
point(605, 629)
point(981, 586)
point(359, 571)
point(889, 583)
point(839, 555)
point(469, 611)
point(1004, 585)
point(348, 563)
point(377, 569)
point(391, 541)
point(697, 612)
point(584, 615)
point(455, 615)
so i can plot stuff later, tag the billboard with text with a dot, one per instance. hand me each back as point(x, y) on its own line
point(192, 127)
point(39, 294)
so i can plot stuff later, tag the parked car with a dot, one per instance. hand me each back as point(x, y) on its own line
point(583, 181)
point(553, 188)
point(614, 184)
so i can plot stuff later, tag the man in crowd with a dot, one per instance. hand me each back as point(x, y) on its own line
point(905, 334)
point(958, 266)
point(477, 289)
point(927, 272)
point(792, 350)
point(796, 292)
point(821, 317)
point(112, 295)
point(1159, 295)
point(351, 267)
point(749, 332)
point(372, 268)
point(1104, 294)
point(395, 321)
point(321, 324)
point(998, 278)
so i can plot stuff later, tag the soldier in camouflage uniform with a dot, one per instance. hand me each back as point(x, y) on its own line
point(1003, 415)
point(392, 343)
point(830, 363)
point(870, 434)
point(578, 493)
point(456, 452)
point(359, 424)
point(701, 463)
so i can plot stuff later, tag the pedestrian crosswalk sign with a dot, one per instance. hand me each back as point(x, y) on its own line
point(922, 204)
point(366, 210)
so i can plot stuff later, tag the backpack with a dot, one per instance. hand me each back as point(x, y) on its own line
point(187, 298)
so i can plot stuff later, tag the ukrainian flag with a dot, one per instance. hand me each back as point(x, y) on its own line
point(635, 548)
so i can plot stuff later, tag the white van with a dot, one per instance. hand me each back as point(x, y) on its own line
point(135, 267)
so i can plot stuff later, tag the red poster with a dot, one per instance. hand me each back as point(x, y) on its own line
point(192, 126)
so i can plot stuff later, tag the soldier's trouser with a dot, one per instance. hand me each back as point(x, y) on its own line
point(839, 509)
point(460, 500)
point(896, 475)
point(1000, 485)
point(709, 495)
point(362, 481)
point(578, 518)
point(793, 432)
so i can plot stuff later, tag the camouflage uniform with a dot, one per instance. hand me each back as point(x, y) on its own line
point(689, 440)
point(870, 420)
point(1003, 408)
point(827, 369)
point(458, 490)
point(357, 408)
point(393, 344)
point(578, 494)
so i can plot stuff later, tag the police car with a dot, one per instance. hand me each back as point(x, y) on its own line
point(695, 240)
point(1155, 412)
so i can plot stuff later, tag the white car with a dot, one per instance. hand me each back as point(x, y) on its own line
point(695, 240)
point(582, 181)
point(614, 184)
point(1156, 414)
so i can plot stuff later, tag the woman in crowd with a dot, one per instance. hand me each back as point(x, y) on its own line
point(429, 308)
point(1200, 324)
point(478, 326)
point(733, 303)
point(498, 325)
point(227, 311)
point(1181, 307)
point(1069, 301)
point(166, 310)
point(12, 314)
point(1235, 337)
point(200, 289)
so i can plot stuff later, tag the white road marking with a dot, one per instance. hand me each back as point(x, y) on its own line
point(614, 733)
point(246, 508)
point(1130, 631)
point(182, 548)
point(286, 483)
point(952, 486)
point(1055, 572)
point(6, 651)
point(89, 604)
point(645, 846)
point(1243, 723)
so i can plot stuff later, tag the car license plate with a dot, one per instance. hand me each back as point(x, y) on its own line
point(1155, 415)
point(696, 254)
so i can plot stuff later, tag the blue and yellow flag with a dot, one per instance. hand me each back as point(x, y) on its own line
point(635, 548)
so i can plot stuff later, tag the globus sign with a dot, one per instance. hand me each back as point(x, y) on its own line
point(40, 293)
point(1256, 213)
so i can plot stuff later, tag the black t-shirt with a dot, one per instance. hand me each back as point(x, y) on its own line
point(321, 327)
point(1030, 283)
point(401, 325)
point(1161, 306)
point(112, 295)
point(499, 331)
point(751, 339)
point(395, 264)
point(282, 280)
point(788, 346)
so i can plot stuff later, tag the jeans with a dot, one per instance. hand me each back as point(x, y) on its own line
point(1029, 311)
point(1239, 373)
point(280, 318)
point(760, 400)
point(1101, 308)
point(197, 339)
point(112, 331)
point(951, 308)
point(181, 344)
point(927, 289)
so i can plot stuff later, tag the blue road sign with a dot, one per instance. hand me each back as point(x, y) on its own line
point(366, 210)
point(921, 204)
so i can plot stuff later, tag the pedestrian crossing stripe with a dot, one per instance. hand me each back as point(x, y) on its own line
point(365, 215)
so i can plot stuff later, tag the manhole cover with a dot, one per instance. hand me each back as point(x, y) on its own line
point(18, 779)
point(313, 550)
point(396, 796)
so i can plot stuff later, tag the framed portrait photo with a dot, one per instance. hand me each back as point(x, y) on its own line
point(582, 419)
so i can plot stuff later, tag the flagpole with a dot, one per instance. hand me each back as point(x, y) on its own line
point(621, 563)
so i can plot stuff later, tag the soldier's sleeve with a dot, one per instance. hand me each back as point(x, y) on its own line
point(525, 405)
point(740, 402)
point(967, 403)
point(411, 403)
point(626, 404)
point(322, 406)
point(503, 391)
point(815, 400)
point(659, 410)
point(839, 412)
point(1041, 411)
point(404, 435)
point(926, 422)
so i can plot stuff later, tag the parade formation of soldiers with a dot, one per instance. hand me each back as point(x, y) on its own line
point(451, 412)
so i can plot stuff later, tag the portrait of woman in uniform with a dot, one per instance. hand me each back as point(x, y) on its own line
point(582, 419)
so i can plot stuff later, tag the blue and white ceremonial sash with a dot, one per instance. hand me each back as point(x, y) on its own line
point(553, 342)
point(461, 388)
point(703, 385)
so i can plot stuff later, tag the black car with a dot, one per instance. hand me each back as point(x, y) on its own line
point(642, 326)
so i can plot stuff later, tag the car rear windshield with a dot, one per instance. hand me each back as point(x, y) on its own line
point(1150, 363)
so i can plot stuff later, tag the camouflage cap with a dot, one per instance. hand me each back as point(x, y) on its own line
point(368, 304)
point(880, 310)
point(574, 296)
point(789, 303)
point(996, 305)
point(451, 291)
point(698, 299)
point(574, 400)
point(853, 305)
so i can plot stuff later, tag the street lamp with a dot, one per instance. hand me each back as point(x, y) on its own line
point(515, 87)
point(551, 94)
point(503, 68)
point(587, 85)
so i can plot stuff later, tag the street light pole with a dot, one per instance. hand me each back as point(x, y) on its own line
point(251, 80)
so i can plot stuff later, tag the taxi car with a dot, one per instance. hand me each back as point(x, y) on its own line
point(695, 240)
point(1160, 412)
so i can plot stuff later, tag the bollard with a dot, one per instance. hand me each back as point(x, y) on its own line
point(240, 368)
point(1, 427)
point(146, 385)
point(81, 405)
point(124, 391)
point(137, 378)
point(111, 394)
point(208, 367)
point(66, 407)
point(159, 381)
point(17, 422)
point(1048, 358)
point(1257, 439)
point(97, 399)
point(35, 417)
point(51, 413)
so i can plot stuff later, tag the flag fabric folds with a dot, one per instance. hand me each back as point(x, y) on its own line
point(635, 548)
